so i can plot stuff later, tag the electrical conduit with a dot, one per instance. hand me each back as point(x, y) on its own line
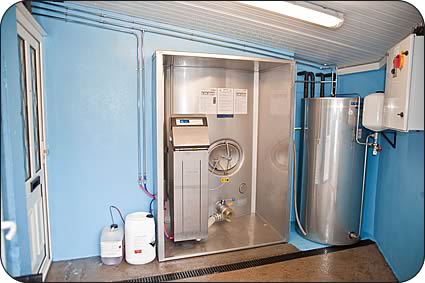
point(191, 35)
point(142, 179)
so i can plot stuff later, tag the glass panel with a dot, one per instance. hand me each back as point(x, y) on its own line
point(24, 107)
point(34, 85)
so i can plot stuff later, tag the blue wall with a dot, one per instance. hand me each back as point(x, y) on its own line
point(363, 84)
point(12, 151)
point(394, 200)
point(90, 100)
point(399, 216)
point(91, 123)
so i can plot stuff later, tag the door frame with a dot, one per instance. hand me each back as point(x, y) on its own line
point(27, 22)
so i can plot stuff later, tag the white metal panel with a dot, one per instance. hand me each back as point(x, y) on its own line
point(404, 87)
point(416, 103)
point(397, 87)
point(370, 27)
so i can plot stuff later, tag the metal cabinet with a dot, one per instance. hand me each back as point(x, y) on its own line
point(404, 86)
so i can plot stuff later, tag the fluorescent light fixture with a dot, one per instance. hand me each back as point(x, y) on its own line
point(304, 11)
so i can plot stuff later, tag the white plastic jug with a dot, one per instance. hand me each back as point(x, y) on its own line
point(111, 244)
point(140, 238)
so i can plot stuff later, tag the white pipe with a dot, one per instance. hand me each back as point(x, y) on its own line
point(191, 35)
point(358, 123)
point(140, 66)
point(363, 185)
point(297, 218)
point(144, 108)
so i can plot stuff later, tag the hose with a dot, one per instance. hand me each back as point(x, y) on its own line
point(295, 190)
point(168, 236)
point(218, 187)
point(215, 217)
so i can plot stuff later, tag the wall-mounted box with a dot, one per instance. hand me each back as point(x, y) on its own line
point(404, 85)
point(373, 106)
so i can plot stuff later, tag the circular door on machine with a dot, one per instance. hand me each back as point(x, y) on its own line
point(225, 157)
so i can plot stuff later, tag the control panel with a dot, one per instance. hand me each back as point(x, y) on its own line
point(189, 132)
point(404, 86)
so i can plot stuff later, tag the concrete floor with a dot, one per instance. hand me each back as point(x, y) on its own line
point(358, 264)
point(362, 264)
point(91, 269)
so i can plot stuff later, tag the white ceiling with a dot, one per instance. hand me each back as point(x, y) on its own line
point(369, 29)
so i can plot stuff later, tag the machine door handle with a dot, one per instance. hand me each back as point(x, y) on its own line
point(401, 114)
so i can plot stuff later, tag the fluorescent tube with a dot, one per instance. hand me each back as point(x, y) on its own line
point(307, 12)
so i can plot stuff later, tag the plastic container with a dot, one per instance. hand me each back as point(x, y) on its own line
point(140, 238)
point(373, 112)
point(111, 244)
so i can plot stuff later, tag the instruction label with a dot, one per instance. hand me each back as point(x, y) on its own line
point(208, 101)
point(111, 249)
point(225, 101)
point(241, 101)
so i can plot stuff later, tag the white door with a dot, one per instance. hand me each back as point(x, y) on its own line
point(29, 46)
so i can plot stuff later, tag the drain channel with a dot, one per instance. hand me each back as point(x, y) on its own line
point(245, 264)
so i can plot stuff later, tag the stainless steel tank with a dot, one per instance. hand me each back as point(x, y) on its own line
point(331, 182)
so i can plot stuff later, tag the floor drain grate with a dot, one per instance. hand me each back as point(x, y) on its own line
point(245, 264)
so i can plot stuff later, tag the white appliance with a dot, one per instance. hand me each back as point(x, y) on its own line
point(189, 197)
point(139, 238)
point(373, 110)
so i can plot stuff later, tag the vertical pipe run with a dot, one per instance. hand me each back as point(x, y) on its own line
point(139, 162)
point(312, 82)
point(363, 184)
point(142, 179)
point(306, 81)
point(322, 84)
point(294, 184)
point(330, 75)
point(144, 108)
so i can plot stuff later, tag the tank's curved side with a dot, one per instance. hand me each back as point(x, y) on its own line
point(331, 187)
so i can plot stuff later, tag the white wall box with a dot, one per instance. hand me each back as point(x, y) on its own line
point(373, 106)
point(404, 86)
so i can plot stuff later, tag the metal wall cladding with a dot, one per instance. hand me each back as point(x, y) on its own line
point(274, 131)
point(370, 27)
point(331, 181)
point(186, 83)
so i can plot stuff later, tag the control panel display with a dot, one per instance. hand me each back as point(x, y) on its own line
point(189, 122)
